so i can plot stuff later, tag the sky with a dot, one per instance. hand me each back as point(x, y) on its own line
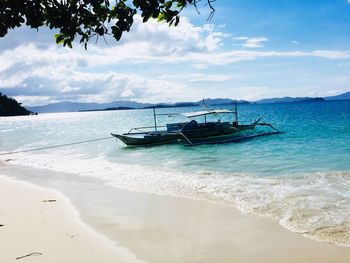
point(250, 49)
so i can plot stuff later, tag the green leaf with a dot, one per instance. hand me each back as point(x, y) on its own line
point(59, 38)
point(161, 17)
point(177, 20)
point(168, 4)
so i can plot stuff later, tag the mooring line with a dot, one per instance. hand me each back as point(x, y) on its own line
point(57, 146)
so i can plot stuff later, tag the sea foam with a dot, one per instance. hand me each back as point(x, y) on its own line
point(316, 205)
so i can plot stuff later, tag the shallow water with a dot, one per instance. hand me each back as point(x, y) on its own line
point(300, 178)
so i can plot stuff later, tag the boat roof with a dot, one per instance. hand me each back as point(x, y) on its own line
point(205, 112)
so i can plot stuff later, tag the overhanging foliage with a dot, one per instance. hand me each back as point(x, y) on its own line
point(86, 19)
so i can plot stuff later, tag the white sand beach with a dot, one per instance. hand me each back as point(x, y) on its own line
point(147, 227)
point(39, 225)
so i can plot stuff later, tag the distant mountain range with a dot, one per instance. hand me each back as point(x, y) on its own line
point(117, 105)
point(344, 96)
point(288, 100)
point(67, 106)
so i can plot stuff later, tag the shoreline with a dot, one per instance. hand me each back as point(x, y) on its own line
point(172, 229)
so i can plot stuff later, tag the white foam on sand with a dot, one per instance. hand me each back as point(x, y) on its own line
point(315, 204)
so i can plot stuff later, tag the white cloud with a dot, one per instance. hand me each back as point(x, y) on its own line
point(182, 38)
point(127, 94)
point(240, 38)
point(102, 87)
point(204, 60)
point(34, 100)
point(331, 54)
point(255, 42)
point(56, 73)
point(250, 92)
point(342, 78)
point(33, 74)
point(252, 42)
point(140, 67)
point(208, 77)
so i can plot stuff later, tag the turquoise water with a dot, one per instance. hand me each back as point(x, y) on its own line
point(300, 178)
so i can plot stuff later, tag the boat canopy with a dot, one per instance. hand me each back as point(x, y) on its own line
point(205, 112)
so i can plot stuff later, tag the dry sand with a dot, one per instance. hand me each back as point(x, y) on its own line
point(37, 225)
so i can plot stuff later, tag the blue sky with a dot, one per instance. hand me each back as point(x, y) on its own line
point(249, 50)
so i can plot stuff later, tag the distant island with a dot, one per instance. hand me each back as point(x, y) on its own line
point(126, 105)
point(110, 109)
point(344, 96)
point(129, 105)
point(289, 100)
point(10, 107)
point(175, 105)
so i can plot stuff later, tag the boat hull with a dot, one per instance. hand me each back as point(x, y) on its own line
point(217, 132)
point(131, 140)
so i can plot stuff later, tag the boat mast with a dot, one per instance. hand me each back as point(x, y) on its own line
point(236, 113)
point(155, 119)
point(206, 108)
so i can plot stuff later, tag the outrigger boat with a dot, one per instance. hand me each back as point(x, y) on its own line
point(193, 133)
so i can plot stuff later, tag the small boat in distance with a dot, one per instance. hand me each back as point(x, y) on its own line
point(192, 132)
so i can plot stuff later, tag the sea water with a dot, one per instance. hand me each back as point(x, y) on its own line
point(300, 178)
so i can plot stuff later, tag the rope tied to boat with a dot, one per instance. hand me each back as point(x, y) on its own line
point(56, 146)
